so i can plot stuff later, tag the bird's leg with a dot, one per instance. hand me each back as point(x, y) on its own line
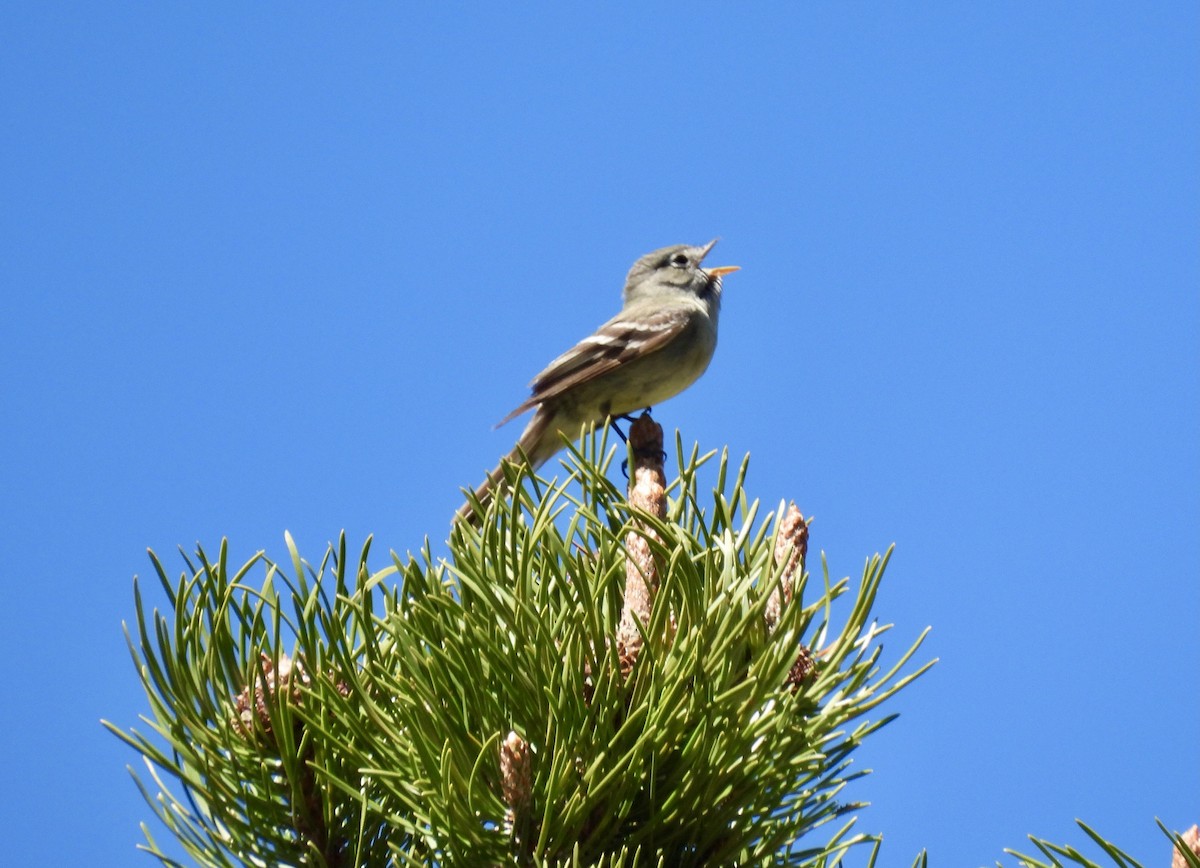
point(612, 423)
point(624, 417)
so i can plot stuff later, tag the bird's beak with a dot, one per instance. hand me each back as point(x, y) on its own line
point(720, 269)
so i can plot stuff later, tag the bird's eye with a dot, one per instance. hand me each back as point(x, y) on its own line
point(679, 260)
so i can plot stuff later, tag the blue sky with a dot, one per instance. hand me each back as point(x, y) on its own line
point(282, 268)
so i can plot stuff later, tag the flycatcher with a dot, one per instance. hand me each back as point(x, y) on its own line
point(658, 345)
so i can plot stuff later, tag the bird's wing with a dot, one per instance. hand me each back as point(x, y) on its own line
point(619, 340)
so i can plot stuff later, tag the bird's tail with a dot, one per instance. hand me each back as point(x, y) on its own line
point(536, 443)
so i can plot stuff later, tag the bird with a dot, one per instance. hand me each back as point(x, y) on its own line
point(659, 344)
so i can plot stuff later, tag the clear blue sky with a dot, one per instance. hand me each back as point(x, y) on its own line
point(283, 267)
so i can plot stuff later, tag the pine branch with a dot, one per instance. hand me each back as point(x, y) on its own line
point(1185, 853)
point(491, 707)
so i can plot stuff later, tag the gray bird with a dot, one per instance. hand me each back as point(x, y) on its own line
point(658, 345)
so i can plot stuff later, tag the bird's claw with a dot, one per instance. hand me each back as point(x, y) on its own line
point(624, 417)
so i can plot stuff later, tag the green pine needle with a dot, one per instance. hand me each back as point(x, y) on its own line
point(331, 714)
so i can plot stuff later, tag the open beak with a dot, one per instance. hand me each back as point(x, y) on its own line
point(720, 269)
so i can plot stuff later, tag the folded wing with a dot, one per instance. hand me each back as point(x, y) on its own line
point(620, 340)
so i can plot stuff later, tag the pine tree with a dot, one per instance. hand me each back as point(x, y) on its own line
point(588, 677)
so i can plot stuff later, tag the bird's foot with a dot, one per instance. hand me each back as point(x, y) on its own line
point(624, 417)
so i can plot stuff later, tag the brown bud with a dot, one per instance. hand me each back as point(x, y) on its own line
point(791, 548)
point(647, 493)
point(251, 703)
point(1191, 838)
point(516, 783)
point(801, 670)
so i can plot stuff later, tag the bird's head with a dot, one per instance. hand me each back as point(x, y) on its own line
point(676, 268)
